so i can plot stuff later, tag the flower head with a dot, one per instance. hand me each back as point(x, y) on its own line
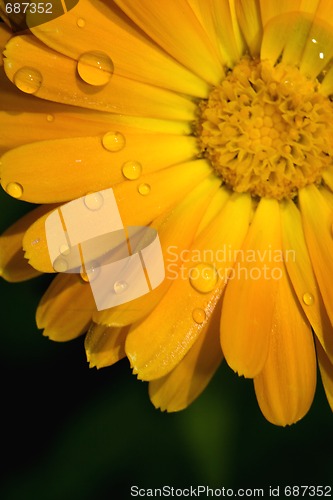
point(211, 121)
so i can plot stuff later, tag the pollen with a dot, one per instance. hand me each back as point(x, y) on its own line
point(267, 130)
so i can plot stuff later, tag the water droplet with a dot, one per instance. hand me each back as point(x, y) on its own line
point(199, 315)
point(308, 299)
point(14, 189)
point(203, 277)
point(95, 68)
point(60, 265)
point(64, 249)
point(29, 80)
point(120, 286)
point(132, 170)
point(144, 189)
point(92, 272)
point(50, 118)
point(35, 242)
point(113, 141)
point(80, 22)
point(94, 201)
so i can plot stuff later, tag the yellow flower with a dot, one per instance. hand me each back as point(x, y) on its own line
point(212, 122)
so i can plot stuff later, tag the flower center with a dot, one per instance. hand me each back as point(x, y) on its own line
point(267, 130)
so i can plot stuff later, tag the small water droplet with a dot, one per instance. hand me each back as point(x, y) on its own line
point(80, 22)
point(203, 277)
point(95, 68)
point(113, 141)
point(120, 286)
point(132, 170)
point(144, 189)
point(29, 80)
point(35, 242)
point(92, 272)
point(94, 201)
point(14, 189)
point(64, 249)
point(199, 315)
point(308, 299)
point(60, 265)
point(50, 118)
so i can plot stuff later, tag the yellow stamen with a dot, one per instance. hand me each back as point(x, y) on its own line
point(267, 130)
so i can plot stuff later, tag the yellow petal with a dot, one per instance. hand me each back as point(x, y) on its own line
point(80, 165)
point(298, 264)
point(317, 218)
point(176, 232)
point(104, 346)
point(157, 344)
point(50, 120)
point(176, 29)
point(318, 51)
point(248, 13)
point(167, 187)
point(100, 27)
point(13, 266)
point(274, 8)
point(285, 388)
point(179, 388)
point(221, 25)
point(326, 372)
point(5, 35)
point(250, 294)
point(38, 70)
point(66, 308)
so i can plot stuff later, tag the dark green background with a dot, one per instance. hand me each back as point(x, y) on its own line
point(70, 432)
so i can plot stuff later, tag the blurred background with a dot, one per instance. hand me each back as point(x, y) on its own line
point(78, 433)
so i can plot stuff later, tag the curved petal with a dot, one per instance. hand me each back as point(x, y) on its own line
point(80, 165)
point(36, 69)
point(104, 346)
point(248, 13)
point(66, 308)
point(326, 372)
point(167, 187)
point(176, 232)
point(179, 388)
point(251, 290)
point(13, 266)
point(176, 29)
point(285, 388)
point(183, 312)
point(317, 218)
point(298, 264)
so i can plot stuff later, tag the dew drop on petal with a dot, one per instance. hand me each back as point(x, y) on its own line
point(132, 170)
point(64, 249)
point(198, 315)
point(120, 286)
point(203, 277)
point(80, 22)
point(113, 141)
point(144, 189)
point(95, 68)
point(14, 189)
point(94, 201)
point(92, 272)
point(308, 299)
point(50, 118)
point(60, 265)
point(29, 80)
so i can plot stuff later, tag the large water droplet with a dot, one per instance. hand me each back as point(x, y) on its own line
point(95, 68)
point(113, 141)
point(308, 299)
point(60, 265)
point(29, 80)
point(94, 201)
point(198, 315)
point(120, 286)
point(144, 189)
point(132, 170)
point(14, 189)
point(203, 277)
